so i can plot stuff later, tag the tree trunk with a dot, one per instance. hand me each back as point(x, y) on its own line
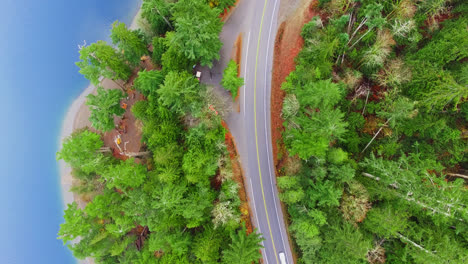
point(367, 98)
point(370, 176)
point(104, 150)
point(121, 87)
point(458, 175)
point(414, 244)
point(357, 41)
point(357, 29)
point(409, 199)
point(165, 19)
point(137, 154)
point(376, 134)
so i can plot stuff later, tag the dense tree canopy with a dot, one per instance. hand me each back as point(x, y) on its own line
point(160, 207)
point(148, 81)
point(196, 33)
point(373, 125)
point(180, 92)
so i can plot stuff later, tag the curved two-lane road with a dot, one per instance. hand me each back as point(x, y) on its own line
point(258, 48)
point(256, 20)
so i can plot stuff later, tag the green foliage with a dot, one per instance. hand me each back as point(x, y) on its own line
point(386, 221)
point(464, 110)
point(124, 175)
point(230, 80)
point(222, 5)
point(292, 191)
point(226, 212)
point(415, 72)
point(129, 42)
point(180, 92)
point(201, 157)
point(174, 59)
point(408, 173)
point(100, 59)
point(103, 106)
point(432, 82)
point(159, 48)
point(311, 130)
point(196, 34)
point(158, 14)
point(167, 194)
point(337, 156)
point(82, 151)
point(75, 224)
point(244, 249)
point(148, 81)
point(306, 230)
point(344, 244)
point(207, 245)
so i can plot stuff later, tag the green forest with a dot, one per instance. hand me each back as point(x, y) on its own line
point(163, 207)
point(376, 128)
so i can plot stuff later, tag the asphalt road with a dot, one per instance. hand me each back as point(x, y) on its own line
point(256, 21)
point(258, 48)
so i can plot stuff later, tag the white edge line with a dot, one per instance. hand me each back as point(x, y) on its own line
point(256, 218)
point(245, 73)
point(266, 130)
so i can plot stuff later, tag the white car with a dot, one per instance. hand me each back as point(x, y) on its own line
point(282, 258)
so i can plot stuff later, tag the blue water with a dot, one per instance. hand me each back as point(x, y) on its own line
point(38, 81)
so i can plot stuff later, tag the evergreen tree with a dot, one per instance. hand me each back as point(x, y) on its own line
point(196, 33)
point(148, 81)
point(244, 249)
point(129, 42)
point(84, 150)
point(103, 106)
point(100, 59)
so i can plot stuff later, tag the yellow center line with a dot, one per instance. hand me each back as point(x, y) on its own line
point(256, 136)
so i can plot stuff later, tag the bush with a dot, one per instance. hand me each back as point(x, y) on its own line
point(337, 156)
point(231, 81)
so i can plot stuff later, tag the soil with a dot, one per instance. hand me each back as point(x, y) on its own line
point(127, 127)
point(238, 176)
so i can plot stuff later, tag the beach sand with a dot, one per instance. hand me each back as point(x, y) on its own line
point(76, 118)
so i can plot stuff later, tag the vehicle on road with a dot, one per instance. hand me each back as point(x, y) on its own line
point(282, 258)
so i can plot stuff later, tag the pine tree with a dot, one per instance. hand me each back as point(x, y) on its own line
point(244, 249)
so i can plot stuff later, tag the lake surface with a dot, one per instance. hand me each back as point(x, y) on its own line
point(38, 81)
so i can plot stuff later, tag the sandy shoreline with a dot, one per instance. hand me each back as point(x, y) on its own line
point(75, 118)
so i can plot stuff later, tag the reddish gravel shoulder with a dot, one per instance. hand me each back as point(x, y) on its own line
point(288, 44)
point(238, 176)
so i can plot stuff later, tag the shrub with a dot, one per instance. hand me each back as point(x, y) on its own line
point(231, 81)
